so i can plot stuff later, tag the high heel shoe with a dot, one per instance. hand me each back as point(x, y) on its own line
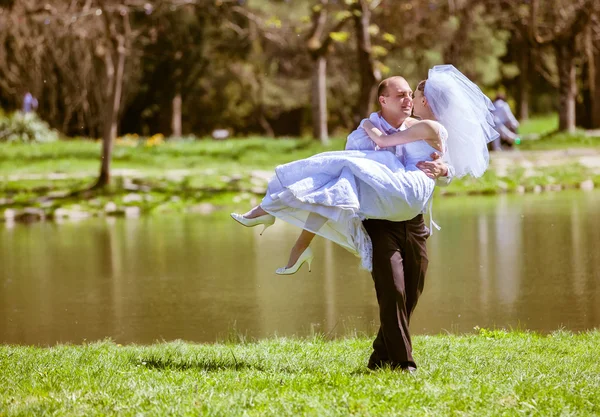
point(267, 220)
point(306, 256)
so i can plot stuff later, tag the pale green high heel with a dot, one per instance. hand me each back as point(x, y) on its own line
point(307, 256)
point(266, 220)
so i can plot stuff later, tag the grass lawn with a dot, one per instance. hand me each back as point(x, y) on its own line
point(489, 373)
point(544, 127)
point(539, 125)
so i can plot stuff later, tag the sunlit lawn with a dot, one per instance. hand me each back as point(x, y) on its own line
point(539, 125)
point(490, 373)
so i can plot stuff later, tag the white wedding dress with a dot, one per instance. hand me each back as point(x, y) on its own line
point(347, 187)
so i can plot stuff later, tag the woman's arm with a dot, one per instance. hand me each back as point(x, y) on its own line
point(409, 121)
point(426, 130)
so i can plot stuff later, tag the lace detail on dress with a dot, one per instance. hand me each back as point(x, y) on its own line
point(443, 133)
point(364, 247)
point(444, 137)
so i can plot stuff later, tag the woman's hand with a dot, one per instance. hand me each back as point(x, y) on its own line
point(375, 134)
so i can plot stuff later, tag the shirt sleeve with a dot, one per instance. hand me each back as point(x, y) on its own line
point(445, 181)
point(358, 140)
point(509, 117)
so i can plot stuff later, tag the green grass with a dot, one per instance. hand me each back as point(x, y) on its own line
point(539, 125)
point(82, 156)
point(561, 141)
point(545, 128)
point(75, 156)
point(490, 373)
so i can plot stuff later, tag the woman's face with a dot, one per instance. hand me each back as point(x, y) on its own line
point(419, 103)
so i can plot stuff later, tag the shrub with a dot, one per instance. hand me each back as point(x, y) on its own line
point(25, 128)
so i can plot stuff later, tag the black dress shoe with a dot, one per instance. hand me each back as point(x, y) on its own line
point(409, 369)
point(375, 365)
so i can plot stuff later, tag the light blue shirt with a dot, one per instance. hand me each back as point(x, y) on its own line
point(504, 115)
point(359, 140)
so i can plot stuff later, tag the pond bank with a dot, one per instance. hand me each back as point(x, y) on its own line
point(195, 182)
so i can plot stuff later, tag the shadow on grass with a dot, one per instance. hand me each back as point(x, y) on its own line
point(219, 365)
point(211, 365)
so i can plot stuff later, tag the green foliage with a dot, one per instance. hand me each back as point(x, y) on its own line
point(25, 128)
point(340, 36)
point(389, 38)
point(379, 51)
point(246, 67)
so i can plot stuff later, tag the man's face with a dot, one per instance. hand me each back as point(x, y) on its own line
point(398, 97)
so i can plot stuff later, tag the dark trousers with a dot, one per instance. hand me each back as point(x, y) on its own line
point(399, 267)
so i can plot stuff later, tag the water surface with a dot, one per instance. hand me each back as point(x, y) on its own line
point(510, 261)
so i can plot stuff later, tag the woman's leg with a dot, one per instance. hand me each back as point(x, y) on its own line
point(255, 212)
point(300, 246)
point(313, 222)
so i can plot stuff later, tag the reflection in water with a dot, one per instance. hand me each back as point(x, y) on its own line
point(510, 261)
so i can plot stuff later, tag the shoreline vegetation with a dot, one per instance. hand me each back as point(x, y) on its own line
point(488, 372)
point(45, 181)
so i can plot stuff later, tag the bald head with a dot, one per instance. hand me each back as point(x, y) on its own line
point(395, 83)
point(395, 98)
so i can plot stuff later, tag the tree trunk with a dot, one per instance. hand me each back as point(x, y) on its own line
point(176, 118)
point(585, 106)
point(369, 76)
point(524, 82)
point(264, 123)
point(595, 92)
point(567, 88)
point(111, 116)
point(593, 59)
point(319, 99)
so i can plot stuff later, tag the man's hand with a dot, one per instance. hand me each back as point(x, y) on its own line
point(434, 169)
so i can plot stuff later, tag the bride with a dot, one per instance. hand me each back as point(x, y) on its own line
point(331, 193)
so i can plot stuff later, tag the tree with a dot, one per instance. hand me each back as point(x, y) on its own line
point(562, 36)
point(369, 73)
point(173, 58)
point(318, 43)
point(591, 42)
point(118, 38)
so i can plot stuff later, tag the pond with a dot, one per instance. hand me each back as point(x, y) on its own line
point(512, 261)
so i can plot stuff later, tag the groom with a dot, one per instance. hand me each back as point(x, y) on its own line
point(399, 248)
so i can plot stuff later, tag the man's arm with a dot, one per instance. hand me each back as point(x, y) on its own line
point(358, 140)
point(505, 133)
point(438, 170)
point(506, 115)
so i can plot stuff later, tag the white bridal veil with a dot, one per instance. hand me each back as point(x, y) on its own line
point(462, 108)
